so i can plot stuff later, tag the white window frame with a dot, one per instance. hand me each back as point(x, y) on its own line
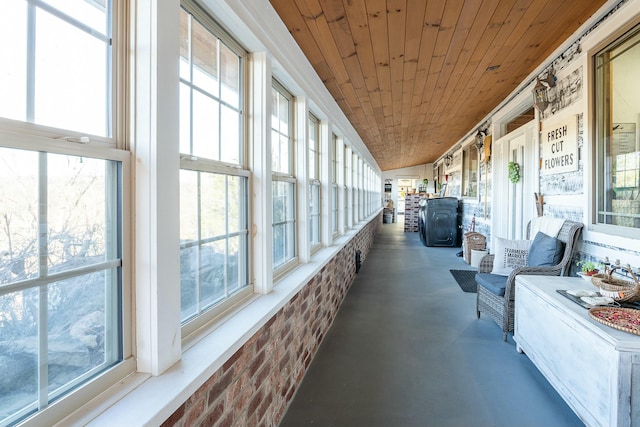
point(279, 270)
point(315, 183)
point(334, 185)
point(347, 184)
point(25, 135)
point(210, 313)
point(603, 162)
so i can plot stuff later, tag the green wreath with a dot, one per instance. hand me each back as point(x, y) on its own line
point(514, 172)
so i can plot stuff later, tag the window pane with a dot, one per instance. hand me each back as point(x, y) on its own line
point(185, 46)
point(70, 68)
point(214, 260)
point(283, 115)
point(284, 155)
point(185, 119)
point(230, 137)
point(314, 149)
point(214, 205)
point(279, 204)
point(275, 100)
point(81, 322)
point(279, 239)
point(212, 273)
point(76, 237)
point(19, 350)
point(235, 265)
point(70, 77)
point(230, 74)
point(312, 165)
point(189, 266)
point(13, 50)
point(280, 131)
point(205, 58)
point(210, 118)
point(276, 159)
point(205, 127)
point(189, 209)
point(283, 222)
point(91, 12)
point(236, 194)
point(18, 215)
point(73, 201)
point(334, 208)
point(617, 96)
point(314, 214)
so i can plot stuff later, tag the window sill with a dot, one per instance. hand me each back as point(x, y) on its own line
point(162, 395)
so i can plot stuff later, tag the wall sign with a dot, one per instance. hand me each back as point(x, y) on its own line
point(559, 145)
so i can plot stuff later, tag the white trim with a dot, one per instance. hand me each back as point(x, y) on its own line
point(301, 161)
point(326, 201)
point(259, 141)
point(157, 221)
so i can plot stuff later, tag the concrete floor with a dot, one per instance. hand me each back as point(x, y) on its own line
point(407, 350)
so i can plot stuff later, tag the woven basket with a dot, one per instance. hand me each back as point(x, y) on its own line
point(622, 319)
point(619, 289)
point(473, 240)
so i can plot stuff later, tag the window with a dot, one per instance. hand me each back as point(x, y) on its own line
point(314, 182)
point(470, 171)
point(347, 185)
point(62, 288)
point(618, 150)
point(59, 74)
point(214, 234)
point(284, 184)
point(355, 188)
point(334, 185)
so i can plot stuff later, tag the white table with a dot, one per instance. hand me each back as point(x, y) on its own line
point(591, 365)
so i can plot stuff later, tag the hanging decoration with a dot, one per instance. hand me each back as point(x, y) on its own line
point(514, 172)
point(487, 155)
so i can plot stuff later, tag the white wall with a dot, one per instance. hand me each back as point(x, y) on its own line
point(414, 172)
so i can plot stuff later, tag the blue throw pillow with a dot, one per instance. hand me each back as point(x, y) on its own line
point(545, 251)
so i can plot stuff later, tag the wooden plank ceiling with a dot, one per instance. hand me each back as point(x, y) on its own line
point(415, 76)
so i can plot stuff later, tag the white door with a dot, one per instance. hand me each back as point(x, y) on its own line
point(513, 205)
point(516, 198)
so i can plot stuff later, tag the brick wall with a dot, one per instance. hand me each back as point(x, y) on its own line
point(255, 386)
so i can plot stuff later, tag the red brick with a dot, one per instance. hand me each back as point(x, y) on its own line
point(220, 387)
point(175, 417)
point(256, 363)
point(255, 402)
point(264, 406)
point(214, 415)
point(262, 375)
point(226, 421)
point(194, 413)
point(233, 359)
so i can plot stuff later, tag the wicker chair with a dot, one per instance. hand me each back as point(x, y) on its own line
point(501, 308)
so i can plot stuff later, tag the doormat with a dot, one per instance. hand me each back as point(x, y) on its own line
point(466, 279)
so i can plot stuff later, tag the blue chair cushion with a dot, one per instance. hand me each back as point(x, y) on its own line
point(494, 283)
point(545, 251)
